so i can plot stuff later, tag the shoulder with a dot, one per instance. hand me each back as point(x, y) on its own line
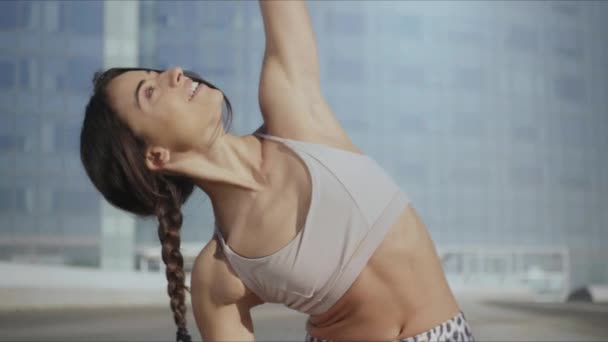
point(295, 108)
point(317, 125)
point(213, 277)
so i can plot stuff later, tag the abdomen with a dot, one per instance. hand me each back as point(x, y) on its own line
point(401, 291)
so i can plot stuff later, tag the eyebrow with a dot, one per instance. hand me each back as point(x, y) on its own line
point(137, 91)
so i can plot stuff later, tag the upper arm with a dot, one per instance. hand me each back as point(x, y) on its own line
point(289, 91)
point(290, 40)
point(220, 302)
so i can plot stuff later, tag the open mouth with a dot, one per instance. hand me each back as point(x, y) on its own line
point(195, 87)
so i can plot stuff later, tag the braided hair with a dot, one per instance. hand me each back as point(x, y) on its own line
point(113, 158)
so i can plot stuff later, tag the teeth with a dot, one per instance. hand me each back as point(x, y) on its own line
point(193, 88)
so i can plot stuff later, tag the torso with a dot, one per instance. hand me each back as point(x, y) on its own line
point(402, 291)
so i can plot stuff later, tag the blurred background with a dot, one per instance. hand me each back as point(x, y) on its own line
point(492, 117)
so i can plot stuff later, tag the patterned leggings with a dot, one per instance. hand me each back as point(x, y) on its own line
point(456, 329)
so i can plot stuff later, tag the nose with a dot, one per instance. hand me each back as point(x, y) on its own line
point(176, 76)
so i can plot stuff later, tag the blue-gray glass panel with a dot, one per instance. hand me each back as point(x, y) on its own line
point(7, 199)
point(53, 102)
point(7, 168)
point(24, 14)
point(407, 74)
point(169, 55)
point(521, 38)
point(344, 22)
point(28, 102)
point(7, 102)
point(76, 101)
point(6, 123)
point(21, 204)
point(402, 25)
point(218, 14)
point(180, 36)
point(8, 40)
point(30, 42)
point(347, 71)
point(78, 224)
point(526, 176)
point(11, 143)
point(467, 78)
point(7, 74)
point(90, 46)
point(567, 43)
point(569, 9)
point(82, 17)
point(70, 201)
point(80, 73)
point(28, 128)
point(24, 73)
point(54, 44)
point(524, 133)
point(66, 137)
point(570, 88)
point(55, 72)
point(6, 227)
point(8, 14)
point(166, 13)
point(410, 124)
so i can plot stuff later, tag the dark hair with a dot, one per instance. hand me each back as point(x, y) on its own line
point(113, 157)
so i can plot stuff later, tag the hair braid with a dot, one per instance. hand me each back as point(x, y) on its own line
point(112, 156)
point(169, 216)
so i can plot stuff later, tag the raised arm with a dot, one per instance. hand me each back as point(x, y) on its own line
point(290, 96)
point(290, 41)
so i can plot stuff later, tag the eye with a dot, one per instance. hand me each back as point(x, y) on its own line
point(148, 92)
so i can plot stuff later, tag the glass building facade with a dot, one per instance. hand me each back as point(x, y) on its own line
point(492, 116)
point(47, 206)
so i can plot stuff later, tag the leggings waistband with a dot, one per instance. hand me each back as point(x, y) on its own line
point(454, 329)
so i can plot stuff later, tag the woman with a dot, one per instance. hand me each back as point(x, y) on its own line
point(303, 217)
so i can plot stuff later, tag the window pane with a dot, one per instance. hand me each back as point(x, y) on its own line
point(27, 127)
point(570, 88)
point(524, 133)
point(70, 201)
point(403, 26)
point(407, 74)
point(29, 14)
point(7, 74)
point(466, 78)
point(568, 43)
point(167, 13)
point(24, 200)
point(6, 199)
point(521, 38)
point(11, 143)
point(525, 176)
point(8, 15)
point(220, 14)
point(80, 73)
point(24, 74)
point(348, 71)
point(568, 9)
point(411, 124)
point(347, 23)
point(82, 17)
point(66, 138)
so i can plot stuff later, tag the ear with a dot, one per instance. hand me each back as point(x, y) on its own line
point(157, 157)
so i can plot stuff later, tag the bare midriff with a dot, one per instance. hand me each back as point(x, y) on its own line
point(401, 292)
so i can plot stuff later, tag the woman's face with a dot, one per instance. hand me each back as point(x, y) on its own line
point(158, 107)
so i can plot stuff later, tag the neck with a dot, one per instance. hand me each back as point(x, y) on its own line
point(231, 167)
